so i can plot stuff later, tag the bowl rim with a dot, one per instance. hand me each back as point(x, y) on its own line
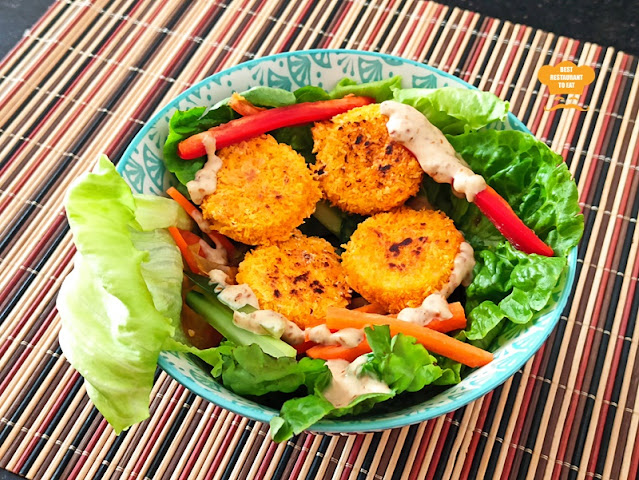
point(264, 414)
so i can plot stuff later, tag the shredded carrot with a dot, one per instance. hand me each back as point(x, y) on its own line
point(196, 215)
point(338, 352)
point(371, 308)
point(184, 249)
point(434, 341)
point(242, 106)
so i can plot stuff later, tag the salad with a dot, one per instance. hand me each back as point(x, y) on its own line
point(326, 252)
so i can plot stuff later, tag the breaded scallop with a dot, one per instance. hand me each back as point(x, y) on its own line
point(299, 278)
point(264, 191)
point(359, 168)
point(398, 258)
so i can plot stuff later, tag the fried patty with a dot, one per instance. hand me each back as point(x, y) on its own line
point(398, 258)
point(264, 191)
point(360, 169)
point(299, 278)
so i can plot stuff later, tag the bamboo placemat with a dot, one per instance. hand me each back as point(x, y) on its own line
point(85, 78)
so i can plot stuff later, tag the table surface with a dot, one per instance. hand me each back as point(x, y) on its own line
point(612, 23)
point(88, 77)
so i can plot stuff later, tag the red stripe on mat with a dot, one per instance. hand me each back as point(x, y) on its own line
point(81, 108)
point(346, 6)
point(434, 21)
point(352, 456)
point(627, 311)
point(199, 446)
point(166, 414)
point(28, 350)
point(47, 420)
point(523, 410)
point(222, 450)
point(288, 37)
point(439, 447)
point(299, 461)
point(412, 28)
point(570, 418)
point(421, 451)
point(266, 461)
point(477, 433)
point(88, 450)
point(26, 264)
point(478, 47)
point(601, 138)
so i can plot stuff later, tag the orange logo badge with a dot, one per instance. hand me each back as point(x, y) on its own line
point(566, 78)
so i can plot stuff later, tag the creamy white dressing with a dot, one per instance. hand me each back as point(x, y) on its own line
point(347, 337)
point(268, 322)
point(432, 150)
point(348, 383)
point(220, 278)
point(433, 306)
point(262, 322)
point(293, 335)
point(205, 181)
point(462, 273)
point(238, 296)
point(217, 255)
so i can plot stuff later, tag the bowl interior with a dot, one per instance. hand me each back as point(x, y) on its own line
point(142, 167)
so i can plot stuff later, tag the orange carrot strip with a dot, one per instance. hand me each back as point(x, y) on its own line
point(182, 200)
point(184, 249)
point(242, 106)
point(371, 308)
point(196, 215)
point(456, 322)
point(434, 341)
point(338, 352)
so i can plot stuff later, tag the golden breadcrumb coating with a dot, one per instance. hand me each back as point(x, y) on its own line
point(359, 168)
point(299, 278)
point(398, 258)
point(264, 191)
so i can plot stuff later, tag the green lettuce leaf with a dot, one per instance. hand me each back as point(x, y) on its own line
point(269, 96)
point(184, 124)
point(153, 212)
point(247, 370)
point(454, 110)
point(533, 179)
point(310, 93)
point(508, 285)
point(400, 362)
point(122, 301)
point(380, 90)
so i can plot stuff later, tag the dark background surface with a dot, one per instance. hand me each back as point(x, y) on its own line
point(609, 23)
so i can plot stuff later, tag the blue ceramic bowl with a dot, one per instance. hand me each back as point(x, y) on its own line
point(142, 167)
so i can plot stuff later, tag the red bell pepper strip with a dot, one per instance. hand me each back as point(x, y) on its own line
point(251, 126)
point(501, 214)
point(303, 347)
